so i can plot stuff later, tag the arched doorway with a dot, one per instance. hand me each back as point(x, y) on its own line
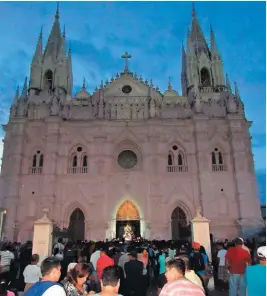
point(77, 225)
point(181, 228)
point(127, 221)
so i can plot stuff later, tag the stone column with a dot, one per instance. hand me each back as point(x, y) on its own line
point(200, 227)
point(42, 237)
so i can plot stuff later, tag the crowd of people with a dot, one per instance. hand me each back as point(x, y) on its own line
point(137, 268)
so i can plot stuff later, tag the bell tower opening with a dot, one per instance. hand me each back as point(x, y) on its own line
point(48, 79)
point(127, 221)
point(205, 77)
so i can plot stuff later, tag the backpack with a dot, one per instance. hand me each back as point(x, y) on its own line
point(197, 262)
point(39, 288)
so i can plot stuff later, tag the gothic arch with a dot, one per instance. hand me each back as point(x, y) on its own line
point(184, 206)
point(178, 155)
point(70, 209)
point(76, 161)
point(127, 211)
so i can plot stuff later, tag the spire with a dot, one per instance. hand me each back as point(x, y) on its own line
point(197, 36)
point(54, 39)
point(169, 84)
point(16, 97)
point(62, 50)
point(37, 58)
point(236, 91)
point(84, 87)
point(227, 83)
point(25, 89)
point(57, 12)
point(213, 44)
point(183, 59)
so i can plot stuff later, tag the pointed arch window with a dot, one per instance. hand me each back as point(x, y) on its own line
point(217, 161)
point(37, 163)
point(78, 161)
point(205, 77)
point(48, 79)
point(176, 161)
point(170, 159)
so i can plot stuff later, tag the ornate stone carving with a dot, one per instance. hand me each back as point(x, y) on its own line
point(127, 211)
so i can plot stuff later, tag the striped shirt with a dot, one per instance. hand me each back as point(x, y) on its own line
point(181, 287)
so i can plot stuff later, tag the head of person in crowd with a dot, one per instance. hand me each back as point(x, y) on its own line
point(51, 269)
point(175, 270)
point(3, 287)
point(35, 259)
point(239, 242)
point(70, 266)
point(133, 254)
point(78, 274)
point(261, 253)
point(110, 280)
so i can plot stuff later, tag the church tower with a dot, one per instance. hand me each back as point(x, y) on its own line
point(201, 64)
point(51, 68)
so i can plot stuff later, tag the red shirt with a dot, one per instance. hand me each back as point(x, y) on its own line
point(102, 262)
point(237, 259)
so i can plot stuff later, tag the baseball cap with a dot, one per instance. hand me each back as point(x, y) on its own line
point(261, 252)
point(196, 245)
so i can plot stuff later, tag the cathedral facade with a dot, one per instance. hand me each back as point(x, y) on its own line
point(128, 153)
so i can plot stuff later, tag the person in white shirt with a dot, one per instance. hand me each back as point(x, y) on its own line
point(58, 247)
point(223, 274)
point(48, 286)
point(32, 272)
point(94, 257)
point(6, 258)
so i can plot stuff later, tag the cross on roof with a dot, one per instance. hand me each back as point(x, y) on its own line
point(126, 56)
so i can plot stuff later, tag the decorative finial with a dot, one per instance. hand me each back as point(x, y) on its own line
point(96, 89)
point(146, 82)
point(84, 83)
point(193, 10)
point(117, 75)
point(157, 88)
point(107, 82)
point(112, 78)
point(64, 31)
point(151, 83)
point(141, 79)
point(135, 75)
point(169, 84)
point(57, 12)
point(101, 84)
point(126, 56)
point(236, 90)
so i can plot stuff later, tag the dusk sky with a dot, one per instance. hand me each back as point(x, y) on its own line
point(152, 32)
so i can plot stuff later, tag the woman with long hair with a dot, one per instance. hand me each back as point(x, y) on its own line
point(76, 278)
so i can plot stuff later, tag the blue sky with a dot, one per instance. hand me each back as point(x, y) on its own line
point(99, 32)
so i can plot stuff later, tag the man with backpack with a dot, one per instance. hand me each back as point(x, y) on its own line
point(48, 286)
point(198, 261)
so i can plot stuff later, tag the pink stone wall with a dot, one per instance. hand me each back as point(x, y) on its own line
point(225, 196)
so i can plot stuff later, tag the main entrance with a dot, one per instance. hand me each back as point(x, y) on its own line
point(77, 225)
point(127, 221)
